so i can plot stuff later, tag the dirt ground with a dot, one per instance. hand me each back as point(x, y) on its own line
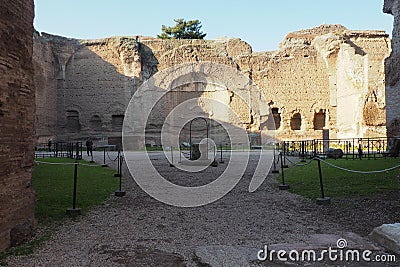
point(137, 230)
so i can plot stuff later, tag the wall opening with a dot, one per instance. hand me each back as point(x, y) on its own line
point(117, 122)
point(295, 122)
point(319, 120)
point(277, 118)
point(73, 124)
point(95, 123)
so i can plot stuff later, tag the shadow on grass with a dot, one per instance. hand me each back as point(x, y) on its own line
point(304, 180)
point(54, 187)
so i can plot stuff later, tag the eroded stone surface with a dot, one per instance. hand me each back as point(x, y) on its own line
point(17, 114)
point(224, 256)
point(388, 235)
point(392, 71)
point(327, 72)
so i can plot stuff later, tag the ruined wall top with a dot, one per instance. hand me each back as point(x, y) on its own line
point(235, 46)
point(388, 6)
point(317, 31)
point(304, 64)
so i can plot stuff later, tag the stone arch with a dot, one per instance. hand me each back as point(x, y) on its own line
point(373, 111)
point(247, 102)
point(193, 85)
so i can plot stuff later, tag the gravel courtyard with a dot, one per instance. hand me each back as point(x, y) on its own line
point(137, 230)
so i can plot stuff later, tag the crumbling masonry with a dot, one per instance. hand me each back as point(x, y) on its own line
point(323, 78)
point(17, 112)
point(393, 72)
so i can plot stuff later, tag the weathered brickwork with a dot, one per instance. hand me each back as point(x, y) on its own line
point(323, 78)
point(392, 72)
point(46, 88)
point(17, 111)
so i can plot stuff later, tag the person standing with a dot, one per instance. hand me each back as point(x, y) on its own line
point(49, 143)
point(89, 147)
point(360, 150)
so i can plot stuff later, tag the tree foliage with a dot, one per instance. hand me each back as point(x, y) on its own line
point(182, 30)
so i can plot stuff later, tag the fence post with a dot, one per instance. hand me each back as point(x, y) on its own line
point(118, 169)
point(180, 153)
point(221, 160)
point(104, 157)
point(303, 151)
point(171, 164)
point(274, 170)
point(215, 162)
point(77, 149)
point(315, 147)
point(74, 210)
point(323, 200)
point(283, 186)
point(120, 193)
point(283, 163)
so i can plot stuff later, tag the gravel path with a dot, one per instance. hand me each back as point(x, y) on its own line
point(137, 230)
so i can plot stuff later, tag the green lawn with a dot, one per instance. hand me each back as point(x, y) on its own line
point(54, 187)
point(304, 180)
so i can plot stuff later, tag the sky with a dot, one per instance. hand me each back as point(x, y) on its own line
point(263, 24)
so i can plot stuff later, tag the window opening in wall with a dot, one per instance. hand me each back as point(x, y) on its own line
point(274, 120)
point(295, 122)
point(319, 120)
point(117, 122)
point(73, 124)
point(277, 117)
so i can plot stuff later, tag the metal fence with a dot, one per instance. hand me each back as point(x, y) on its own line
point(352, 148)
point(71, 150)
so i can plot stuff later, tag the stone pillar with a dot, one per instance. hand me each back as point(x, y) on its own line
point(17, 111)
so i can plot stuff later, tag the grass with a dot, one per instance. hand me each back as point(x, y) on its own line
point(54, 187)
point(153, 148)
point(304, 180)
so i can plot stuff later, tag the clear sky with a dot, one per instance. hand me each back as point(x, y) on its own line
point(263, 24)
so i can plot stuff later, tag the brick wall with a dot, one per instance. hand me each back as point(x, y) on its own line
point(327, 70)
point(392, 72)
point(17, 109)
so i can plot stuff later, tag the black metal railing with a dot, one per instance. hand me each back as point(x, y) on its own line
point(352, 148)
point(71, 150)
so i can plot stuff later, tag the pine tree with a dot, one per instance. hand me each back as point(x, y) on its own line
point(182, 30)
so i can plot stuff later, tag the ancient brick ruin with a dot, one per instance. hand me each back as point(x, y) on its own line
point(323, 78)
point(392, 72)
point(17, 109)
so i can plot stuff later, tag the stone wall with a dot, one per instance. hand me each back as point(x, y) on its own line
point(17, 109)
point(325, 78)
point(46, 90)
point(392, 71)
